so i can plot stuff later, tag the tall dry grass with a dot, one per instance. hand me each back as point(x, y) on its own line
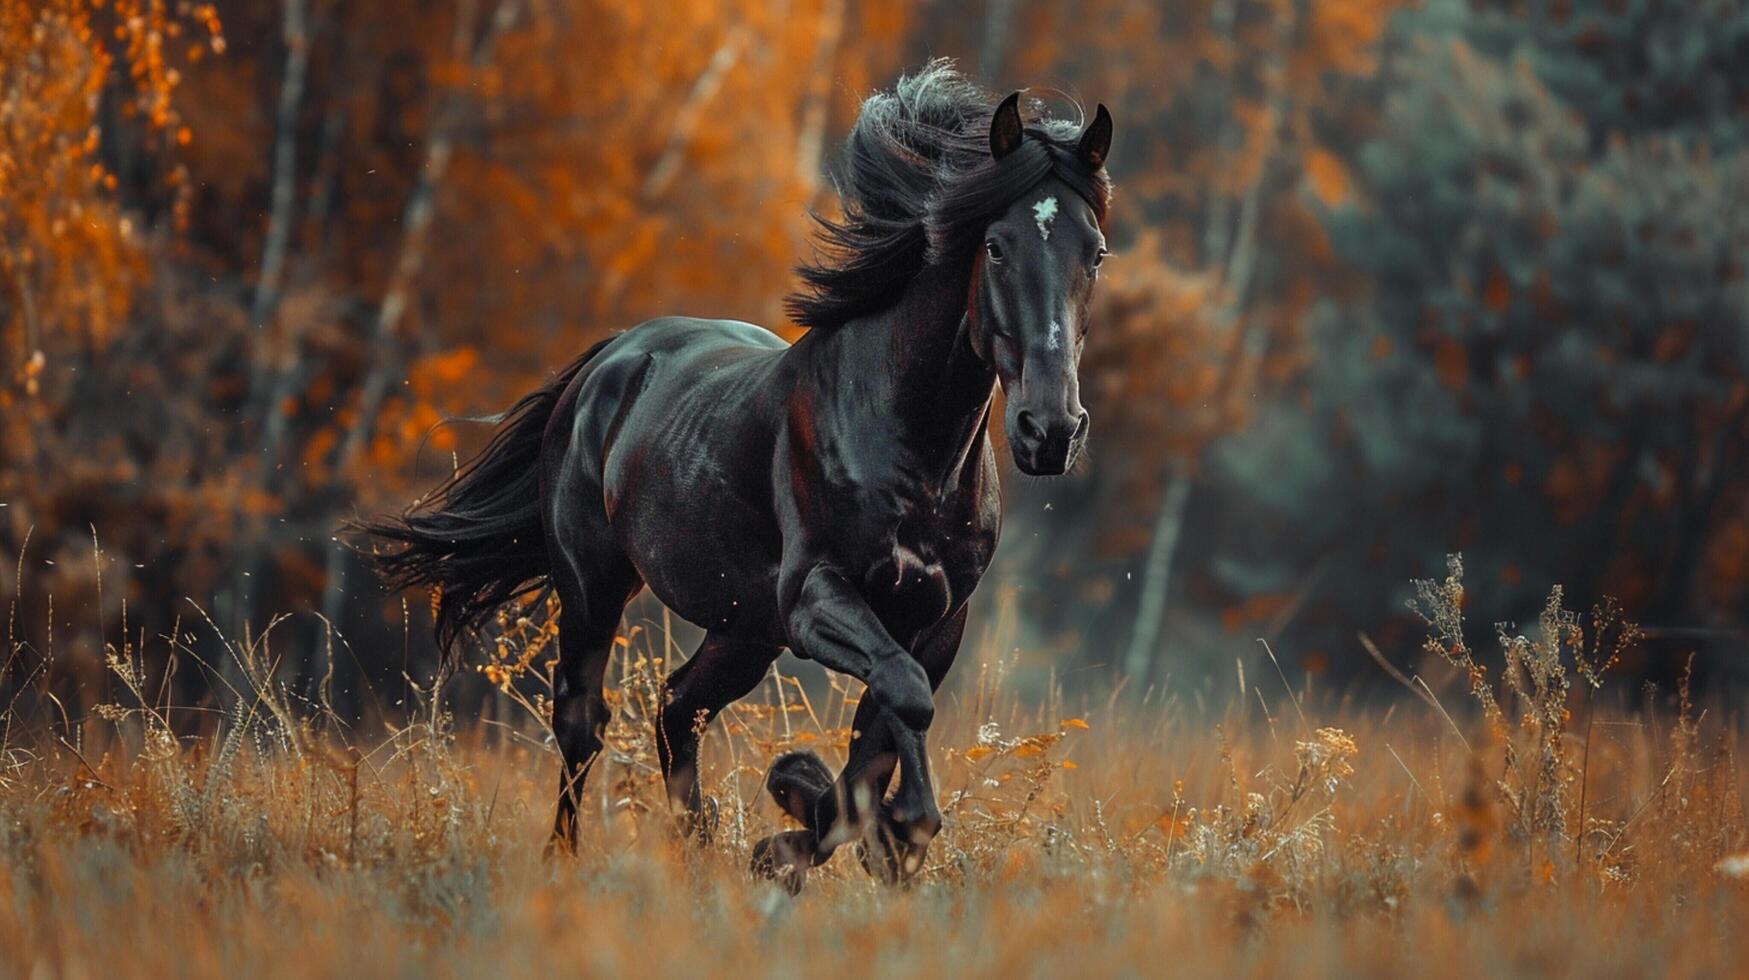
point(1543, 829)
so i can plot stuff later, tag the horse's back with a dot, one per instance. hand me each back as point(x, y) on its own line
point(669, 357)
point(685, 336)
point(681, 378)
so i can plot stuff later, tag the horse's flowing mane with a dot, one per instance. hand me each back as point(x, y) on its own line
point(917, 185)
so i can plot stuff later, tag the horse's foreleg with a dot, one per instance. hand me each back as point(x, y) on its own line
point(830, 622)
point(879, 744)
point(911, 820)
point(798, 781)
point(722, 671)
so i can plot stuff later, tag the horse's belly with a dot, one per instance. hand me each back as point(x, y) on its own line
point(714, 593)
point(704, 554)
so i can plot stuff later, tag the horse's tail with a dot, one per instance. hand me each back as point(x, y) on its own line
point(478, 538)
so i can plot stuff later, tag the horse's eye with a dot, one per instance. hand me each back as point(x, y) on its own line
point(993, 250)
point(1099, 258)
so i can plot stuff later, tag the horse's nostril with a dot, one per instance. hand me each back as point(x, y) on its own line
point(1029, 426)
point(1082, 426)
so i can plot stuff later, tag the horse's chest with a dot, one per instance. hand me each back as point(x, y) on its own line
point(913, 576)
point(925, 571)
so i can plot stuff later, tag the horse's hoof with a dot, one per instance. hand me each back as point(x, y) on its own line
point(798, 781)
point(890, 852)
point(879, 856)
point(784, 858)
point(700, 826)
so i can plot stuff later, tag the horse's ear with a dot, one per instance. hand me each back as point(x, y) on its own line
point(1096, 141)
point(1006, 131)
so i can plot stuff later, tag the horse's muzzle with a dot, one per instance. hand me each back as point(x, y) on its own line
point(1047, 445)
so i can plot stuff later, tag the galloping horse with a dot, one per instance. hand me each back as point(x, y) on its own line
point(837, 496)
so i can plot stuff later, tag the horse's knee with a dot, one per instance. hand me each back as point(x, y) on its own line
point(901, 685)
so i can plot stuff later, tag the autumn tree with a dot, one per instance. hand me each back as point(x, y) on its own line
point(90, 187)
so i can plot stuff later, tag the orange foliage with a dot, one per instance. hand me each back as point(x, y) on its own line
point(1255, 610)
point(1328, 177)
point(1577, 478)
point(75, 74)
point(609, 165)
point(69, 258)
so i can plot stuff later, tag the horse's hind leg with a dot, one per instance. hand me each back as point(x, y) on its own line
point(591, 602)
point(798, 781)
point(723, 671)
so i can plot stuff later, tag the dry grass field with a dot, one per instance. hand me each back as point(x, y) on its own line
point(1293, 832)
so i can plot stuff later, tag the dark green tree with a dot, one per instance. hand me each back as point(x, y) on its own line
point(1550, 368)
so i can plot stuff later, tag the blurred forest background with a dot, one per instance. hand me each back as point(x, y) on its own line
point(1391, 281)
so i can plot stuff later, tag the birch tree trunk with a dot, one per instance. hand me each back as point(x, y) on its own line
point(415, 224)
point(267, 381)
point(1138, 660)
point(295, 30)
point(686, 122)
point(998, 16)
point(1236, 276)
point(815, 111)
point(704, 88)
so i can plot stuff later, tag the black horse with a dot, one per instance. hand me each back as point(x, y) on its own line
point(838, 496)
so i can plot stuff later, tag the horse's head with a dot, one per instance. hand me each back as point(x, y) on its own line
point(1031, 284)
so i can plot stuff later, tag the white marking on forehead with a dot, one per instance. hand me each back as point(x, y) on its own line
point(1045, 212)
point(1054, 338)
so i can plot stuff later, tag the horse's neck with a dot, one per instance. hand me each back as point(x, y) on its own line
point(917, 359)
point(937, 376)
